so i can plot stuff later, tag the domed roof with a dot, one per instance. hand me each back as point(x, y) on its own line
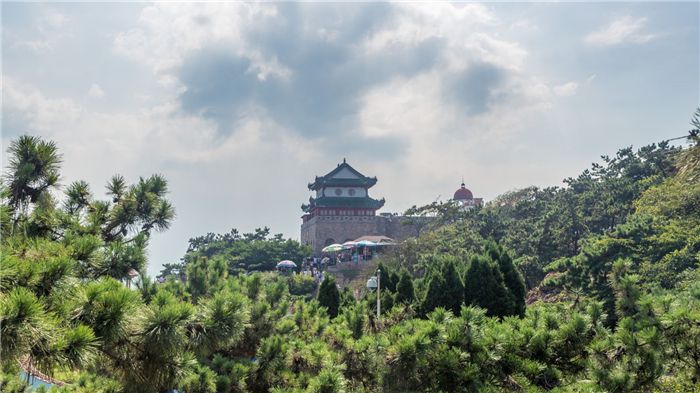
point(463, 193)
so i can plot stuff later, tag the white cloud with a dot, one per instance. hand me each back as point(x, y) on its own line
point(406, 107)
point(566, 90)
point(96, 91)
point(463, 27)
point(626, 29)
point(169, 32)
point(51, 28)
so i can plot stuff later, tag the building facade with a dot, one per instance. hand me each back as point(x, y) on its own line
point(341, 209)
point(464, 197)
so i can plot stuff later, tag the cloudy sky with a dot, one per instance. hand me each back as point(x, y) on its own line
point(241, 105)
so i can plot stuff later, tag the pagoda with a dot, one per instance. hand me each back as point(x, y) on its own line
point(342, 192)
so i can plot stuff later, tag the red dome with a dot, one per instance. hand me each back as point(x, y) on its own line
point(463, 193)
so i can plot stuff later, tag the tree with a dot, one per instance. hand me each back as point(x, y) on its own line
point(512, 279)
point(33, 169)
point(484, 287)
point(255, 251)
point(405, 294)
point(329, 297)
point(445, 288)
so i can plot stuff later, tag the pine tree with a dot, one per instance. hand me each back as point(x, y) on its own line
point(329, 297)
point(404, 289)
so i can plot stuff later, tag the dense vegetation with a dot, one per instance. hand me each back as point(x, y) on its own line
point(256, 251)
point(610, 261)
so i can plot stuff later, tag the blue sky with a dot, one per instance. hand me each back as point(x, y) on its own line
point(241, 105)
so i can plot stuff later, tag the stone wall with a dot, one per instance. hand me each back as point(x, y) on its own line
point(321, 231)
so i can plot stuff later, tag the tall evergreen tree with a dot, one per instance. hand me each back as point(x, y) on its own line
point(445, 288)
point(484, 287)
point(388, 278)
point(329, 297)
point(404, 289)
point(512, 279)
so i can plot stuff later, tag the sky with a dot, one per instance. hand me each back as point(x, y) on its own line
point(240, 105)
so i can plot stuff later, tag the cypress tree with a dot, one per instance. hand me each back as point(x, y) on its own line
point(512, 278)
point(445, 289)
point(329, 297)
point(484, 287)
point(388, 278)
point(404, 289)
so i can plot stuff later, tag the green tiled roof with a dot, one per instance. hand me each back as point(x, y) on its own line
point(344, 202)
point(329, 180)
point(323, 181)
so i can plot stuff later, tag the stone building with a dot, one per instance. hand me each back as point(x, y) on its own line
point(341, 210)
point(464, 197)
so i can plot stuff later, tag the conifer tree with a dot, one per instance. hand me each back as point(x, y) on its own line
point(484, 287)
point(512, 279)
point(329, 297)
point(388, 278)
point(445, 288)
point(404, 289)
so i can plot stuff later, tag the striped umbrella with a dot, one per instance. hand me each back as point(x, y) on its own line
point(333, 248)
point(286, 264)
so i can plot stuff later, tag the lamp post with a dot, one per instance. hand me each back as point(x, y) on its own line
point(379, 293)
point(375, 282)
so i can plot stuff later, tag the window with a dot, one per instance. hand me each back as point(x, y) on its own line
point(338, 191)
point(351, 192)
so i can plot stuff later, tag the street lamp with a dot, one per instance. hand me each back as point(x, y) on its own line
point(375, 282)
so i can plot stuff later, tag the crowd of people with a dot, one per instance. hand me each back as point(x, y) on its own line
point(315, 267)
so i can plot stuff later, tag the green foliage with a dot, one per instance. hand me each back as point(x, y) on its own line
point(33, 169)
point(301, 285)
point(623, 237)
point(512, 279)
point(328, 381)
point(541, 225)
point(328, 296)
point(405, 293)
point(445, 288)
point(256, 251)
point(484, 287)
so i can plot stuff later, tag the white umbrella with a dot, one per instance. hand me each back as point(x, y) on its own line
point(333, 248)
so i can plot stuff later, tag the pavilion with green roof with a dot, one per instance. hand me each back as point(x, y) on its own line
point(342, 192)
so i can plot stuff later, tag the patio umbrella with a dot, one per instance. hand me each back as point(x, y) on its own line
point(333, 248)
point(365, 243)
point(286, 264)
point(348, 245)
